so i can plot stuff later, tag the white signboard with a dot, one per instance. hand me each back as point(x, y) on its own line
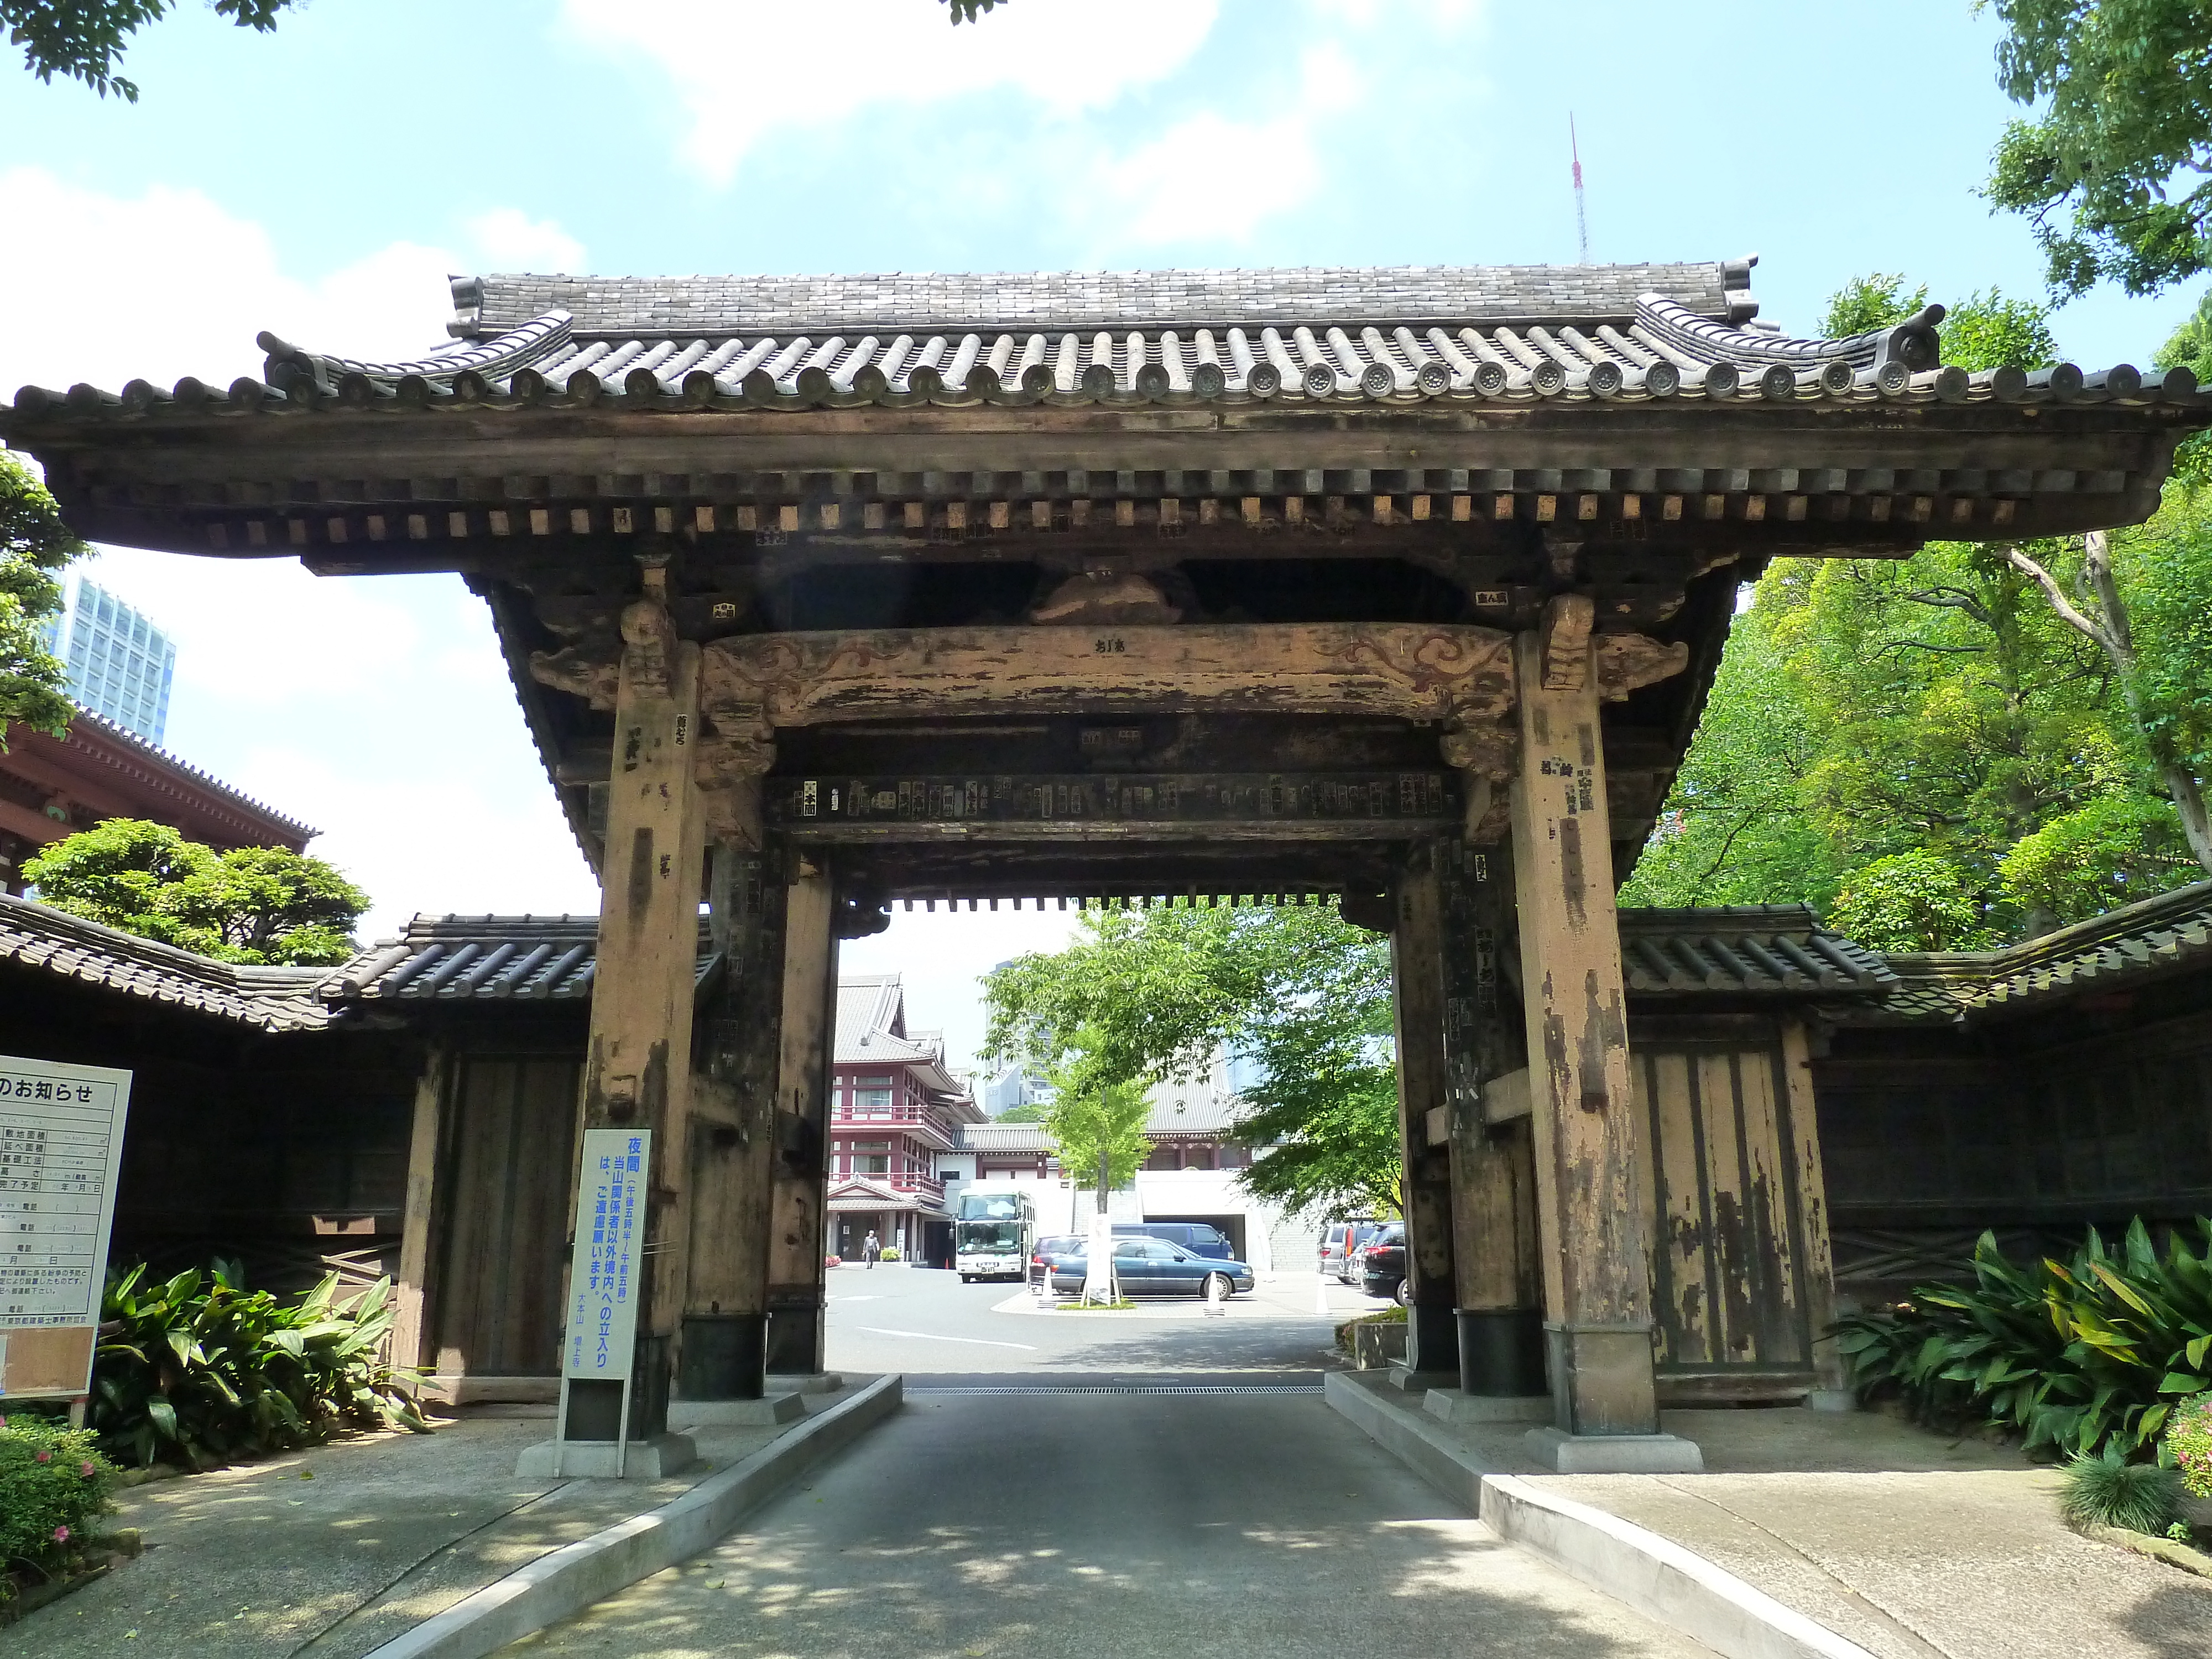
point(61, 1145)
point(603, 1282)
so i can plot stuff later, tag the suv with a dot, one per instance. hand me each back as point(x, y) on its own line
point(1382, 1262)
point(1341, 1244)
point(1199, 1237)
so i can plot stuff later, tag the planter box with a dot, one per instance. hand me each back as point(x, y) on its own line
point(1374, 1346)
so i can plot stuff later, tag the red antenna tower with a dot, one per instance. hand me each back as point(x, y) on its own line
point(1582, 219)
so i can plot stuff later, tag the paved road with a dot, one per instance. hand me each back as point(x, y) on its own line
point(923, 1322)
point(1042, 1522)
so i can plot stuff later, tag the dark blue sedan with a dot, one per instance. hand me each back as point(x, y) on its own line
point(1153, 1266)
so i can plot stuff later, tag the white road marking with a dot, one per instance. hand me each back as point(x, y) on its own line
point(932, 1336)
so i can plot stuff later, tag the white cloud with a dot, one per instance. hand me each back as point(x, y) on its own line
point(510, 239)
point(375, 708)
point(1209, 176)
point(179, 285)
point(739, 68)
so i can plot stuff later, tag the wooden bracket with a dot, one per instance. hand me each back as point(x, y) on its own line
point(1568, 619)
point(1106, 596)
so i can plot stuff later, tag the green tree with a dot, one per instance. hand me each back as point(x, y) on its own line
point(1097, 1118)
point(2114, 171)
point(254, 904)
point(1021, 1115)
point(83, 40)
point(1156, 994)
point(34, 545)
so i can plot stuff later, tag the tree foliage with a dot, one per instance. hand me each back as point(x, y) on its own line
point(252, 904)
point(1157, 994)
point(2111, 171)
point(84, 40)
point(34, 545)
point(1935, 751)
point(1096, 1117)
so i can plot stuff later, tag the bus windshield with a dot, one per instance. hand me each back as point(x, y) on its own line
point(993, 1206)
point(990, 1234)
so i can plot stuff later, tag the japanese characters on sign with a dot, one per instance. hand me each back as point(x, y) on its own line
point(603, 1271)
point(61, 1144)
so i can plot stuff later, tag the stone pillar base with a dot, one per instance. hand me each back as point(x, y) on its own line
point(1432, 1340)
point(1613, 1454)
point(784, 1406)
point(1602, 1380)
point(1454, 1406)
point(1403, 1375)
point(604, 1460)
point(1501, 1351)
point(725, 1356)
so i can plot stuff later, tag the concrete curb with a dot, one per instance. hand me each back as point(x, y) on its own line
point(1658, 1577)
point(1636, 1567)
point(576, 1575)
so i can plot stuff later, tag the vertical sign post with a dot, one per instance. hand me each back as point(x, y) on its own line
point(599, 1347)
point(61, 1145)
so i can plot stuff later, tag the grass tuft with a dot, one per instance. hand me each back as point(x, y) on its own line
point(2107, 1491)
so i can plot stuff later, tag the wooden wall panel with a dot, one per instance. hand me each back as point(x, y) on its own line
point(510, 1164)
point(1730, 1281)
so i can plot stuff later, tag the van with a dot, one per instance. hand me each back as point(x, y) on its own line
point(1341, 1244)
point(1199, 1237)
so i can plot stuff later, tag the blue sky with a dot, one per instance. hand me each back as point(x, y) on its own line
point(324, 179)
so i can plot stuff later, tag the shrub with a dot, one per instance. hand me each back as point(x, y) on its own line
point(890, 1253)
point(200, 1370)
point(2106, 1490)
point(2077, 1356)
point(53, 1484)
point(2189, 1444)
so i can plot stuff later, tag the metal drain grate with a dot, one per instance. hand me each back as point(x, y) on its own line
point(1131, 1388)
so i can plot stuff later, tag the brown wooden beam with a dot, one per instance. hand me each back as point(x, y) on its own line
point(796, 1299)
point(1417, 1010)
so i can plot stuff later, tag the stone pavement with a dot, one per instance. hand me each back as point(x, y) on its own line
point(328, 1553)
point(1913, 1545)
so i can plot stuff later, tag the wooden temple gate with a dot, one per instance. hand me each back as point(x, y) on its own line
point(1398, 590)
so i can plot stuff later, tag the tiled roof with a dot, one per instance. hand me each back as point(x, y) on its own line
point(700, 307)
point(33, 935)
point(1580, 334)
point(1760, 950)
point(1186, 1108)
point(1004, 1138)
point(872, 1023)
point(2152, 939)
point(88, 731)
point(480, 958)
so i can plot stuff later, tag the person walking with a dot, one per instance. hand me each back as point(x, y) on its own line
point(872, 1248)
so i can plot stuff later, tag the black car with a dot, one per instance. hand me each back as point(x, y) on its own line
point(1046, 1255)
point(1153, 1266)
point(1382, 1262)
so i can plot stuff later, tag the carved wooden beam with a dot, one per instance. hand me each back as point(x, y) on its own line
point(1568, 618)
point(1625, 661)
point(1454, 675)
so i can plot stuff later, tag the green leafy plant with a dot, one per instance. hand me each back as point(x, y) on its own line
point(199, 1369)
point(34, 546)
point(53, 1486)
point(2106, 1490)
point(2079, 1356)
point(890, 1253)
point(2189, 1444)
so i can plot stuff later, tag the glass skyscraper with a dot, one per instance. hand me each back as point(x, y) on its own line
point(120, 665)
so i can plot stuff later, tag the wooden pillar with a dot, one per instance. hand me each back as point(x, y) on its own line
point(1594, 1232)
point(725, 1349)
point(411, 1322)
point(1418, 1007)
point(796, 1290)
point(1500, 1284)
point(637, 1069)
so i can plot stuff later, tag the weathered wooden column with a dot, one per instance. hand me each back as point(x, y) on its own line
point(1418, 1006)
point(637, 1070)
point(724, 1350)
point(1494, 1247)
point(412, 1292)
point(797, 1295)
point(1596, 1233)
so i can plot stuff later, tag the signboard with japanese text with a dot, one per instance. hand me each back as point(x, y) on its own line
point(61, 1145)
point(604, 1272)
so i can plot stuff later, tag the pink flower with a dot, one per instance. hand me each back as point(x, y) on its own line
point(61, 1535)
point(86, 1470)
point(46, 1457)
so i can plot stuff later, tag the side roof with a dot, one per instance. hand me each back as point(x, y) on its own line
point(37, 936)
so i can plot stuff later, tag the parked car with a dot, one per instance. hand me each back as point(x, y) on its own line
point(1382, 1263)
point(1153, 1266)
point(1199, 1237)
point(1046, 1256)
point(1340, 1244)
